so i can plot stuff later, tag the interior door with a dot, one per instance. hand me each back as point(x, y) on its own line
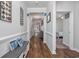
point(66, 31)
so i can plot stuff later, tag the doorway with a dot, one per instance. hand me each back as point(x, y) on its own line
point(62, 30)
point(38, 25)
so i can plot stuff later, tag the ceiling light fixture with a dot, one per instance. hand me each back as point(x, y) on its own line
point(62, 17)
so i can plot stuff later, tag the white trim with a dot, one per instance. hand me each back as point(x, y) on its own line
point(44, 21)
point(38, 10)
point(71, 30)
point(53, 52)
point(45, 42)
point(54, 27)
point(65, 44)
point(49, 33)
point(28, 28)
point(75, 49)
point(10, 36)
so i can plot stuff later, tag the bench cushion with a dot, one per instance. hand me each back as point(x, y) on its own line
point(16, 52)
point(13, 45)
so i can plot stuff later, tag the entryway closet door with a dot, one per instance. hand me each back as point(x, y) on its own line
point(66, 31)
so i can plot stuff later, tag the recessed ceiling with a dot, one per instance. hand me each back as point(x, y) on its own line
point(31, 4)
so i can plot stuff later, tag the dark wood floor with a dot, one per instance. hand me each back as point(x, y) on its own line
point(38, 49)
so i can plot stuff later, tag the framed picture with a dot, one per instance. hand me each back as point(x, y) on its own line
point(21, 16)
point(48, 17)
point(6, 11)
point(66, 15)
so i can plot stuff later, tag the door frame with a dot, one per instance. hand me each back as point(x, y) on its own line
point(70, 29)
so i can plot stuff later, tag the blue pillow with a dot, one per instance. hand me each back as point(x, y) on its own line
point(13, 45)
point(20, 42)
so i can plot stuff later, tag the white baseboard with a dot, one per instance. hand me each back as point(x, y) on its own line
point(45, 42)
point(53, 52)
point(75, 49)
point(66, 44)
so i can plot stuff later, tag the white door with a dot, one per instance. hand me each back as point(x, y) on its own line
point(66, 31)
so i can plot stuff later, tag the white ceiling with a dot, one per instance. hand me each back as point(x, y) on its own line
point(31, 4)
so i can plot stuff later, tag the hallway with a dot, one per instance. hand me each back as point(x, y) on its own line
point(39, 29)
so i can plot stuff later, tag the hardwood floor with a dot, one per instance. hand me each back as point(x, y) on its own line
point(66, 53)
point(59, 44)
point(38, 49)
